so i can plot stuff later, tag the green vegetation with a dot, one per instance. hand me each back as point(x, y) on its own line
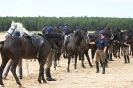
point(92, 23)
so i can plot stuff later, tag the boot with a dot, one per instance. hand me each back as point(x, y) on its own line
point(103, 68)
point(125, 59)
point(48, 75)
point(111, 57)
point(128, 59)
point(97, 67)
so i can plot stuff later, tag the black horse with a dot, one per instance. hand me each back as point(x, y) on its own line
point(84, 47)
point(72, 47)
point(15, 48)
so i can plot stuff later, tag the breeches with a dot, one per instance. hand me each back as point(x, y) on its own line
point(125, 51)
point(100, 55)
point(50, 58)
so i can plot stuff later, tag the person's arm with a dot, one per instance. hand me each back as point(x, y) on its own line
point(92, 43)
point(105, 48)
point(106, 44)
point(126, 44)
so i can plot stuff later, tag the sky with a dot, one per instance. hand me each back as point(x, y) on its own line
point(67, 8)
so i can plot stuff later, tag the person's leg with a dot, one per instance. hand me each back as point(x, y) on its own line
point(49, 64)
point(97, 61)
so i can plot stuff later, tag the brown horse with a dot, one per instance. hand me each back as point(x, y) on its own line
point(15, 48)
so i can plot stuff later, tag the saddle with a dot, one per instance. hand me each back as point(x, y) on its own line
point(37, 40)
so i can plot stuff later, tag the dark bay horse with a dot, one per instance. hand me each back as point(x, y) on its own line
point(72, 47)
point(83, 50)
point(15, 48)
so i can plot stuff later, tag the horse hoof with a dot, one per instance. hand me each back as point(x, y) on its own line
point(83, 66)
point(20, 77)
point(103, 72)
point(68, 70)
point(91, 66)
point(2, 86)
point(20, 86)
point(111, 60)
point(39, 81)
point(51, 79)
point(44, 81)
point(76, 70)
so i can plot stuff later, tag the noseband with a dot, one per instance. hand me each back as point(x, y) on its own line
point(12, 31)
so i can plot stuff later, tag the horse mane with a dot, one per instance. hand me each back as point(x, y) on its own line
point(20, 25)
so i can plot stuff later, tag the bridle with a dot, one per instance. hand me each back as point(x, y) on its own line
point(13, 30)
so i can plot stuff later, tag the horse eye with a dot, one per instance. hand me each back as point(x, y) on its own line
point(12, 28)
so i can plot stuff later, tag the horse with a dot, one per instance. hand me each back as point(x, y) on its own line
point(17, 48)
point(16, 27)
point(116, 42)
point(72, 46)
point(83, 50)
point(126, 41)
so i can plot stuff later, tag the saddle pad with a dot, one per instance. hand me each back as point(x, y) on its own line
point(37, 40)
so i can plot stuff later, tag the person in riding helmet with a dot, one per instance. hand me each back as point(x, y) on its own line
point(101, 44)
point(47, 29)
point(67, 31)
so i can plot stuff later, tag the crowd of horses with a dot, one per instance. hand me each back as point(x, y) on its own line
point(16, 48)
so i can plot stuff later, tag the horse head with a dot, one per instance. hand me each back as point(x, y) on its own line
point(16, 26)
point(81, 35)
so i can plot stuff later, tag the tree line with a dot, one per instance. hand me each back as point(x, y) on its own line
point(91, 23)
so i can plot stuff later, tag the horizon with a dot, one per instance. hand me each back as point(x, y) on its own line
point(69, 8)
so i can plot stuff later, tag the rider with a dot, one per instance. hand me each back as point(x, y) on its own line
point(67, 31)
point(49, 30)
point(101, 44)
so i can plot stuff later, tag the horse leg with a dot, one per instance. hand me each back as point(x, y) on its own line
point(88, 58)
point(41, 71)
point(82, 58)
point(20, 70)
point(7, 69)
point(3, 64)
point(119, 52)
point(13, 70)
point(93, 53)
point(128, 59)
point(110, 56)
point(69, 59)
point(76, 55)
point(55, 61)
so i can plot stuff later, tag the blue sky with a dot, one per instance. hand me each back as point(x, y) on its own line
point(67, 8)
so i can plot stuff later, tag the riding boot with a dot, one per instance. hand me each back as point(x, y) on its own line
point(128, 59)
point(48, 75)
point(97, 67)
point(111, 57)
point(125, 59)
point(103, 68)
